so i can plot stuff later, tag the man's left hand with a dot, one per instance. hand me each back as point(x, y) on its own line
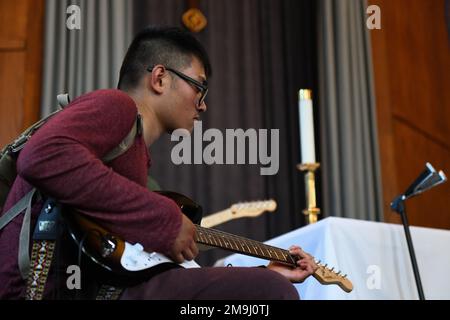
point(305, 266)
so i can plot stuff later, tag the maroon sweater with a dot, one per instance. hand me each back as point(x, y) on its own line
point(63, 160)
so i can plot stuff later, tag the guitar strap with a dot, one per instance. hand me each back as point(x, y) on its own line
point(107, 292)
point(44, 238)
point(46, 233)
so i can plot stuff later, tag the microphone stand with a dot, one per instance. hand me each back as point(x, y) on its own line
point(428, 179)
point(398, 205)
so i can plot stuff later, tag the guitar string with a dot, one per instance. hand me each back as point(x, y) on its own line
point(222, 234)
point(286, 256)
point(253, 243)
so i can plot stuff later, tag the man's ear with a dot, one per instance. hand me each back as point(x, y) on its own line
point(157, 80)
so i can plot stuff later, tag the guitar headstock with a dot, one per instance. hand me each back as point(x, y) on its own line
point(252, 209)
point(326, 275)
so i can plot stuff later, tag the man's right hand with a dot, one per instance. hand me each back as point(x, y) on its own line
point(184, 246)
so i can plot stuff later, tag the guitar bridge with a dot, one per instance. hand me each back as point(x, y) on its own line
point(109, 245)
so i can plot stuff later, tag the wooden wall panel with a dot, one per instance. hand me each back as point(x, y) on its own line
point(413, 149)
point(411, 55)
point(34, 62)
point(13, 20)
point(420, 55)
point(12, 79)
point(21, 43)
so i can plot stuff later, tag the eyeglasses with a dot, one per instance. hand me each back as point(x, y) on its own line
point(201, 87)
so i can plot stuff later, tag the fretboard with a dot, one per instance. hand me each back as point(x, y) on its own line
point(220, 239)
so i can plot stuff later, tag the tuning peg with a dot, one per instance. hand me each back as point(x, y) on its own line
point(332, 269)
point(339, 272)
point(344, 275)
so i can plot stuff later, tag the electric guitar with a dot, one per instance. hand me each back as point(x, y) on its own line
point(239, 210)
point(117, 262)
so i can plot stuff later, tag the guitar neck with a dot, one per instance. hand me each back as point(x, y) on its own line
point(227, 241)
point(216, 218)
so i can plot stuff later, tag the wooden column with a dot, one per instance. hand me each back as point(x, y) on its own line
point(411, 55)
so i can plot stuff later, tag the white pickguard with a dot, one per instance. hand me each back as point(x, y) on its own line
point(134, 258)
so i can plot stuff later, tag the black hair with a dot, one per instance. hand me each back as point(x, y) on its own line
point(170, 46)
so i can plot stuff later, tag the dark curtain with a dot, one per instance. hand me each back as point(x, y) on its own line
point(262, 53)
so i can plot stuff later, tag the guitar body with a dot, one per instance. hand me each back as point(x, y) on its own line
point(117, 262)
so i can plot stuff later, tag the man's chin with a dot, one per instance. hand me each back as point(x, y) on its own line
point(182, 130)
point(191, 126)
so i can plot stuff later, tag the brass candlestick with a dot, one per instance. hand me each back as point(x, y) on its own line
point(310, 189)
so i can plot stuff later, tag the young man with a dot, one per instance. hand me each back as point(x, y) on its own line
point(164, 80)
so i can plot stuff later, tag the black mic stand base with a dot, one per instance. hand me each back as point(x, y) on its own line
point(398, 205)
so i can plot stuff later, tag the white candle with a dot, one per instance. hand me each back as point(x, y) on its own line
point(305, 106)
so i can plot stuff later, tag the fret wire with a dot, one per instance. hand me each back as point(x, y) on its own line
point(242, 245)
point(285, 255)
point(213, 239)
point(260, 248)
point(267, 250)
point(228, 243)
point(240, 239)
point(231, 240)
point(247, 246)
point(270, 253)
point(199, 236)
point(236, 244)
point(251, 244)
point(202, 237)
point(288, 257)
point(220, 234)
point(219, 240)
point(276, 254)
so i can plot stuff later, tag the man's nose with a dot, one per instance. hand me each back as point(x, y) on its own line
point(202, 107)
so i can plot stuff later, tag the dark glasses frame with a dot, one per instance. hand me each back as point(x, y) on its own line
point(202, 87)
